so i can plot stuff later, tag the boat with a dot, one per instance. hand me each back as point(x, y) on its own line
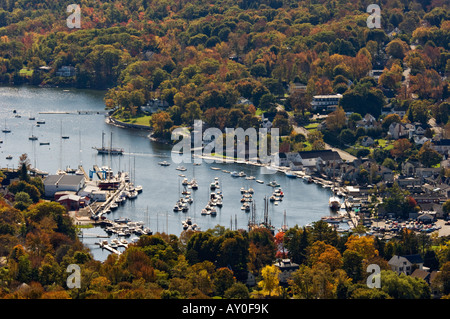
point(181, 168)
point(273, 184)
point(138, 188)
point(290, 175)
point(32, 138)
point(9, 157)
point(122, 220)
point(234, 174)
point(164, 163)
point(260, 181)
point(114, 206)
point(40, 122)
point(250, 178)
point(6, 129)
point(242, 174)
point(132, 195)
point(65, 137)
point(107, 150)
point(31, 118)
point(44, 143)
point(334, 202)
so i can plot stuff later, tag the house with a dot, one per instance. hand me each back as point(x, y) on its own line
point(399, 110)
point(375, 74)
point(442, 146)
point(325, 102)
point(406, 264)
point(70, 201)
point(427, 217)
point(429, 277)
point(367, 141)
point(155, 105)
point(297, 87)
point(368, 121)
point(420, 140)
point(286, 267)
point(267, 119)
point(244, 101)
point(324, 157)
point(386, 174)
point(409, 168)
point(281, 159)
point(56, 183)
point(66, 71)
point(398, 130)
point(296, 166)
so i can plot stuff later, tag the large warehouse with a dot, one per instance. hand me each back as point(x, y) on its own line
point(57, 183)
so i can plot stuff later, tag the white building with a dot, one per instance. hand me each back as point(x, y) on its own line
point(56, 183)
point(325, 102)
point(405, 264)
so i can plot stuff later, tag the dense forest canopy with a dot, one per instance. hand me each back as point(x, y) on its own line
point(202, 57)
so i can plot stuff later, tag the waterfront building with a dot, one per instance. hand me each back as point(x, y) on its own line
point(56, 183)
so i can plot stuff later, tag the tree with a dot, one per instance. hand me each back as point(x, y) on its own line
point(237, 291)
point(223, 280)
point(161, 122)
point(353, 265)
point(397, 49)
point(404, 287)
point(402, 148)
point(24, 164)
point(428, 156)
point(336, 120)
point(362, 245)
point(270, 283)
point(389, 119)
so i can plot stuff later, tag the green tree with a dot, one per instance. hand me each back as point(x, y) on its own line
point(353, 265)
point(223, 280)
point(428, 156)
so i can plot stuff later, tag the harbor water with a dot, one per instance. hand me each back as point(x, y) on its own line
point(79, 115)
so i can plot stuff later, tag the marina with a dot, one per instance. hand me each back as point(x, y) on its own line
point(303, 203)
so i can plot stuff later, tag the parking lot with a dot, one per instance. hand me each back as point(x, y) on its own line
point(390, 227)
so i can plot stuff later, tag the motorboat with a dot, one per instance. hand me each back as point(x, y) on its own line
point(234, 174)
point(290, 174)
point(181, 168)
point(138, 188)
point(164, 163)
point(273, 184)
point(334, 202)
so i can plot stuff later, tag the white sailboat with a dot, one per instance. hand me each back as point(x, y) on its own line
point(32, 137)
point(6, 129)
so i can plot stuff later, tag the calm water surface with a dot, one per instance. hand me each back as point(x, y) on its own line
point(303, 203)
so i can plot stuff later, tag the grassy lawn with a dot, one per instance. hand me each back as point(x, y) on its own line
point(312, 126)
point(141, 120)
point(385, 144)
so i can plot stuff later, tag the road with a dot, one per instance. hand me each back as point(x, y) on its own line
point(344, 155)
